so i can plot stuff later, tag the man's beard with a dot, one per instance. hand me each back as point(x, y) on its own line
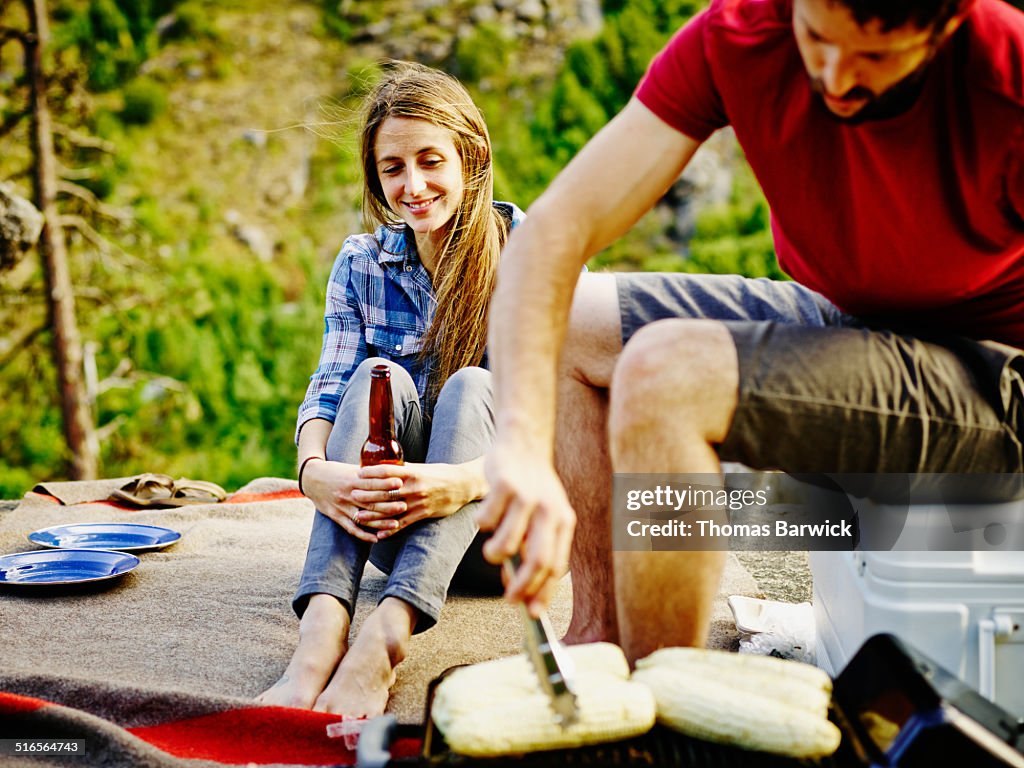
point(894, 101)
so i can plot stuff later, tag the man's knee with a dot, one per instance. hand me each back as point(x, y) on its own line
point(594, 335)
point(687, 366)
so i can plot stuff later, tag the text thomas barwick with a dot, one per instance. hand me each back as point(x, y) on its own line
point(681, 528)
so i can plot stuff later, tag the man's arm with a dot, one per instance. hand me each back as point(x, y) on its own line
point(617, 177)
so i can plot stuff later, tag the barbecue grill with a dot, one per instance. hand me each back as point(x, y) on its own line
point(939, 721)
point(660, 746)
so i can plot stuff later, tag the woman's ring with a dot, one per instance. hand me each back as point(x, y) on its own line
point(393, 495)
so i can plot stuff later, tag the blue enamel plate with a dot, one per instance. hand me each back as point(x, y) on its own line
point(124, 537)
point(49, 567)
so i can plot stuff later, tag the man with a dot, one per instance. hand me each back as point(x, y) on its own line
point(888, 138)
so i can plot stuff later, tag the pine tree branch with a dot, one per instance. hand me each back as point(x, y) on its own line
point(102, 244)
point(83, 140)
point(23, 36)
point(74, 174)
point(24, 173)
point(102, 433)
point(11, 122)
point(24, 297)
point(120, 215)
point(12, 349)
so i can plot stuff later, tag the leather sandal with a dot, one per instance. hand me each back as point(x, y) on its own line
point(146, 490)
point(185, 492)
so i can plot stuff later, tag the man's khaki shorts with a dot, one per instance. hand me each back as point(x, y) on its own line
point(822, 391)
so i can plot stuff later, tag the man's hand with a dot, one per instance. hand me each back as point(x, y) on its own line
point(529, 513)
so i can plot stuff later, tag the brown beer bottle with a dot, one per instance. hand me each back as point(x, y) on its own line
point(381, 446)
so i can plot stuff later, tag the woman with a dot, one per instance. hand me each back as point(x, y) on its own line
point(415, 293)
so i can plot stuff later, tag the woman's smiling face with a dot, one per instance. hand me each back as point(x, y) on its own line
point(420, 172)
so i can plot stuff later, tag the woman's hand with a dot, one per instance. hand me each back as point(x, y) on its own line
point(403, 494)
point(333, 487)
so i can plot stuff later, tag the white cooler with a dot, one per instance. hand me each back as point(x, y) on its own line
point(965, 609)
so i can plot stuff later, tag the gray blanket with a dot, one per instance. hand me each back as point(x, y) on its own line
point(205, 625)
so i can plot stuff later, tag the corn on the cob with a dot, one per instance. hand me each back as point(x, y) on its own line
point(792, 682)
point(699, 706)
point(734, 699)
point(497, 707)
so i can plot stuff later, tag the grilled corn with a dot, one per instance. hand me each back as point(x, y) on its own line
point(753, 702)
point(790, 682)
point(498, 708)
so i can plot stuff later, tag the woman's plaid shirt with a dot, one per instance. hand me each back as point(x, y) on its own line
point(379, 304)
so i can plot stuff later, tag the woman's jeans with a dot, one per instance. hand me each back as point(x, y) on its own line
point(420, 560)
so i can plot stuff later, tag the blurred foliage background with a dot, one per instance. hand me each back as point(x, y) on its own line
point(215, 139)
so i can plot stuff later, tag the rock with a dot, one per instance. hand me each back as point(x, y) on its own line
point(21, 223)
point(590, 17)
point(165, 24)
point(707, 182)
point(404, 47)
point(379, 29)
point(255, 137)
point(483, 14)
point(531, 11)
point(251, 236)
point(713, 167)
point(436, 51)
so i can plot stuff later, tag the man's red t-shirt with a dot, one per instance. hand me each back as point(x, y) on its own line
point(918, 216)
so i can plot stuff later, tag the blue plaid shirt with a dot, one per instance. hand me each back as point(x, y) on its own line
point(379, 304)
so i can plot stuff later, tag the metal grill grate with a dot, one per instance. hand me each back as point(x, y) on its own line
point(659, 747)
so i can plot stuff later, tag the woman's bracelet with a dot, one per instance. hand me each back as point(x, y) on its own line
point(302, 468)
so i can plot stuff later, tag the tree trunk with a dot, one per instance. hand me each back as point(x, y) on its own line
point(79, 429)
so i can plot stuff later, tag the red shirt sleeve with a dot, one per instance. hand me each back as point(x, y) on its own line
point(678, 85)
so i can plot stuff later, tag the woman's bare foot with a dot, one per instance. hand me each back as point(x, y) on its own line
point(360, 686)
point(323, 633)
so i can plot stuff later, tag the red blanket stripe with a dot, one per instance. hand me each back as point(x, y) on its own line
point(46, 496)
point(12, 704)
point(234, 498)
point(259, 735)
point(249, 736)
point(245, 498)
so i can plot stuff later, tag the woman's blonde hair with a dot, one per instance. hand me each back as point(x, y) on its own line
point(467, 261)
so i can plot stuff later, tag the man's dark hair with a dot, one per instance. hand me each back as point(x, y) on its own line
point(923, 14)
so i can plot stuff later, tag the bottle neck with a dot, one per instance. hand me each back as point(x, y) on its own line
point(382, 409)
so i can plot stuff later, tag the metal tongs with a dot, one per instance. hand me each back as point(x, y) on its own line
point(554, 667)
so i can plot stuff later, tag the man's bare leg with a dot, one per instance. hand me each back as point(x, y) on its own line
point(592, 345)
point(323, 633)
point(361, 685)
point(674, 394)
